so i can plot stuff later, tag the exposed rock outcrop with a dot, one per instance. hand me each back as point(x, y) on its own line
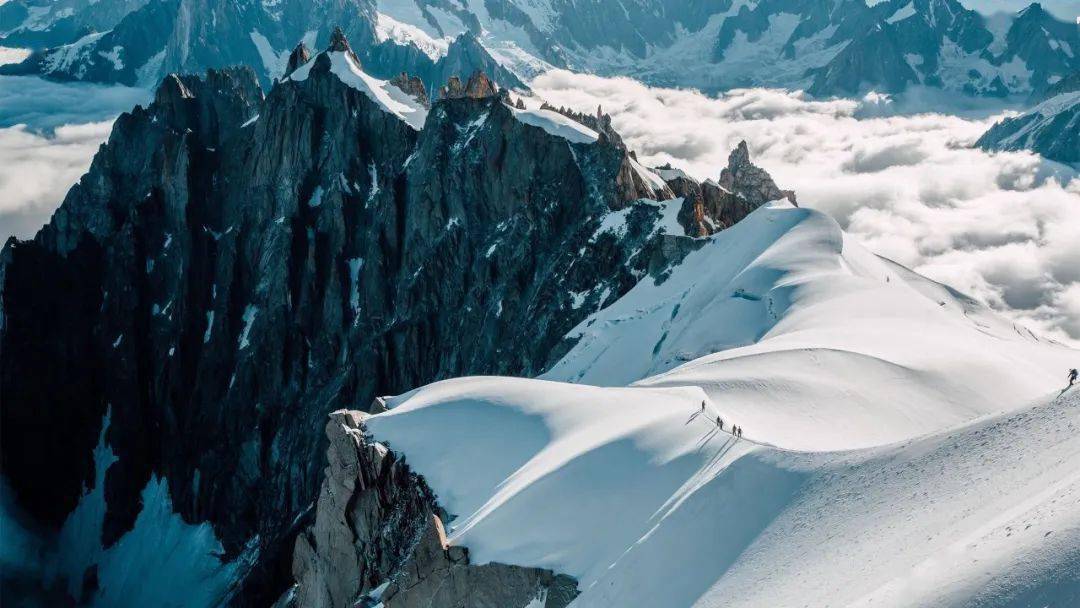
point(413, 87)
point(298, 57)
point(749, 181)
point(378, 538)
point(709, 206)
point(479, 86)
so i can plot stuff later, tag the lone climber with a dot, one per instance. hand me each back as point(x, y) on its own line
point(1072, 376)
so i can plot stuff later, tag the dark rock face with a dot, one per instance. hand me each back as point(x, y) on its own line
point(378, 524)
point(298, 57)
point(233, 267)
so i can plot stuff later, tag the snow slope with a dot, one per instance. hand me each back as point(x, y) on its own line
point(903, 445)
point(812, 342)
point(639, 497)
point(557, 125)
point(390, 98)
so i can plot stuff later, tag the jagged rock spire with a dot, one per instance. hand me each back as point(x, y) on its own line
point(749, 181)
point(299, 56)
point(338, 42)
point(412, 86)
point(479, 86)
point(172, 87)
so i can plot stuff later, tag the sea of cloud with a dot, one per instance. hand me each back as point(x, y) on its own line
point(49, 132)
point(1004, 228)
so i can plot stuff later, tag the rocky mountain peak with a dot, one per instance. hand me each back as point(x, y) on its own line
point(413, 86)
point(338, 42)
point(453, 89)
point(1034, 9)
point(739, 157)
point(171, 89)
point(299, 56)
point(184, 102)
point(479, 86)
point(749, 181)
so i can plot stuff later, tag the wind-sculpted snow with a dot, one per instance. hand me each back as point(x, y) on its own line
point(637, 494)
point(826, 356)
point(794, 329)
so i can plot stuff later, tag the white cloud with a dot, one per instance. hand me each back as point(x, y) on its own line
point(49, 132)
point(36, 172)
point(45, 105)
point(1004, 228)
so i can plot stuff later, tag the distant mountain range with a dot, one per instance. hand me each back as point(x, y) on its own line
point(161, 37)
point(1051, 128)
point(828, 47)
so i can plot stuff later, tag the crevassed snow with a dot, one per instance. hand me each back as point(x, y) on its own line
point(390, 98)
point(114, 57)
point(62, 58)
point(147, 74)
point(557, 124)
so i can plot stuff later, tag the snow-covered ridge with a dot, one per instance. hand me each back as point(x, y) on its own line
point(556, 124)
point(793, 327)
point(824, 354)
point(390, 98)
point(610, 485)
